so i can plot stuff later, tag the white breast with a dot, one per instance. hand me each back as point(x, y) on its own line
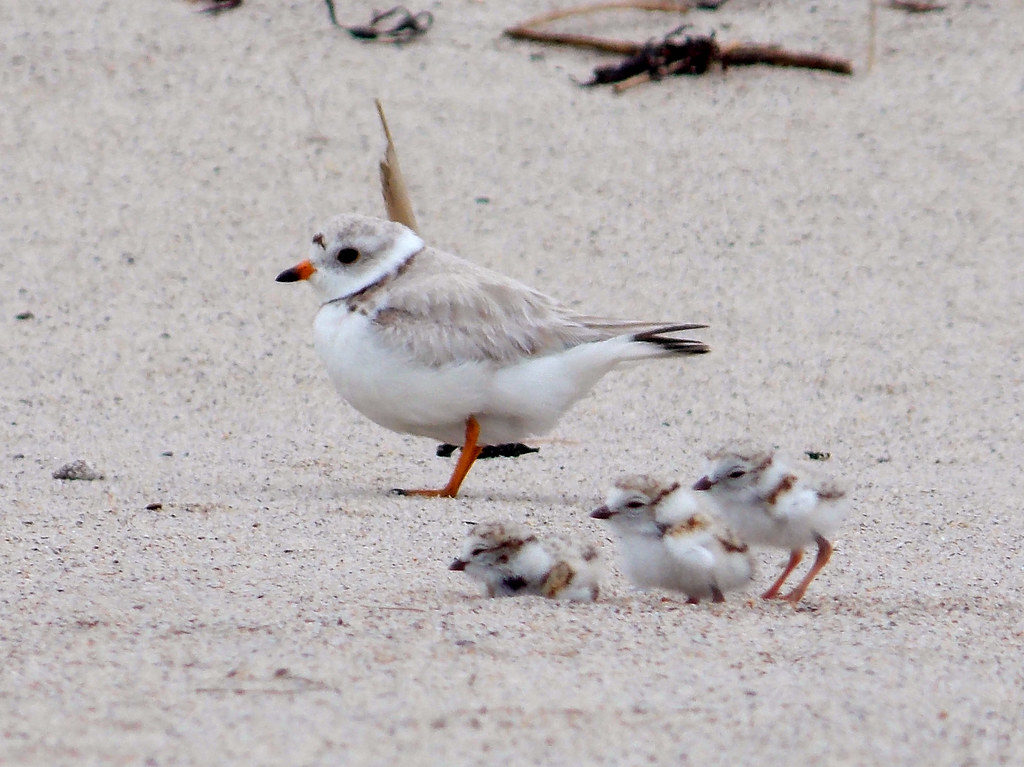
point(389, 388)
point(647, 562)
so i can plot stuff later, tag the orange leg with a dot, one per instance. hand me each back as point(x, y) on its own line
point(824, 553)
point(470, 451)
point(794, 559)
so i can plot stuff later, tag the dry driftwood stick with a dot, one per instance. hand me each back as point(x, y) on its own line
point(695, 55)
point(624, 47)
point(652, 60)
point(745, 54)
point(527, 30)
point(392, 183)
point(612, 5)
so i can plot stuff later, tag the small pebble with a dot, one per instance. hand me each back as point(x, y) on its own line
point(77, 470)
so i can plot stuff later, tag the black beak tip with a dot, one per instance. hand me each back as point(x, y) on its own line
point(288, 275)
point(457, 564)
point(602, 513)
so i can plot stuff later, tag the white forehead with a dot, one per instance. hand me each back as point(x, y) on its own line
point(352, 225)
point(370, 236)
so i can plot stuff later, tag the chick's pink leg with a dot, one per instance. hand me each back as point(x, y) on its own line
point(794, 559)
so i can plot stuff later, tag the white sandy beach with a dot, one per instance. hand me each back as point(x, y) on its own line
point(854, 243)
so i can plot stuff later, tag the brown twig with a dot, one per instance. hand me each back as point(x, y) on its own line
point(632, 82)
point(695, 55)
point(671, 55)
point(624, 47)
point(613, 5)
point(527, 30)
point(746, 54)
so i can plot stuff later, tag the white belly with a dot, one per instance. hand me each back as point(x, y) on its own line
point(510, 403)
point(646, 563)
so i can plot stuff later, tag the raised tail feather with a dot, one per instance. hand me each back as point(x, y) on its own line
point(659, 337)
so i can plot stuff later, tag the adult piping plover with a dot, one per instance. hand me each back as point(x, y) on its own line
point(510, 561)
point(769, 503)
point(670, 540)
point(423, 342)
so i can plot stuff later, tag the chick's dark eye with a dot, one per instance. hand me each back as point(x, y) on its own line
point(736, 473)
point(634, 504)
point(348, 255)
point(477, 552)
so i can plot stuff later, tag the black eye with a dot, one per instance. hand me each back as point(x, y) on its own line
point(477, 552)
point(348, 255)
point(736, 473)
point(634, 504)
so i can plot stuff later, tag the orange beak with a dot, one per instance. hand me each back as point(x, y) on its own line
point(302, 271)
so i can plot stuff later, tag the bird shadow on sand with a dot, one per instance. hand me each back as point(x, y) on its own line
point(514, 499)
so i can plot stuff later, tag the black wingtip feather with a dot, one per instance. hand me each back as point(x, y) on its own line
point(660, 337)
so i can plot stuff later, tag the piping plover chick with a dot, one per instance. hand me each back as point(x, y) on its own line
point(510, 561)
point(422, 342)
point(768, 503)
point(670, 540)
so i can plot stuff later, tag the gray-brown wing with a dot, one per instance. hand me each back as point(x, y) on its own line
point(443, 310)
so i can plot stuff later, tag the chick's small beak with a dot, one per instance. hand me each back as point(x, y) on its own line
point(302, 271)
point(457, 564)
point(602, 512)
point(704, 483)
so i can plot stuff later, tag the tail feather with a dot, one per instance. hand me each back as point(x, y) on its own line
point(659, 337)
